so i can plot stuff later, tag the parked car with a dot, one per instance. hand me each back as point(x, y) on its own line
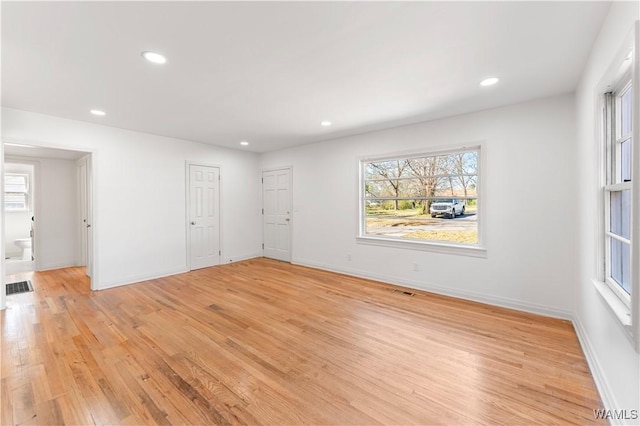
point(448, 208)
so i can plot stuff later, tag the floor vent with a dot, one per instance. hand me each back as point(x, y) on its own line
point(404, 292)
point(19, 287)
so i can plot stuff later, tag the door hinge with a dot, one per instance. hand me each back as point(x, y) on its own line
point(262, 246)
point(219, 252)
point(262, 180)
point(262, 211)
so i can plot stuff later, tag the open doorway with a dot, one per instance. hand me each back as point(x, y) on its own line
point(19, 210)
point(60, 208)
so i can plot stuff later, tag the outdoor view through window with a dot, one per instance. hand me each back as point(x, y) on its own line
point(431, 197)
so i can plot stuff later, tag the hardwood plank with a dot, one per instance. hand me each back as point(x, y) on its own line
point(74, 410)
point(265, 342)
point(23, 403)
point(146, 407)
point(47, 413)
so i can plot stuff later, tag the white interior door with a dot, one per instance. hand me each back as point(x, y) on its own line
point(204, 216)
point(89, 224)
point(82, 195)
point(85, 195)
point(276, 202)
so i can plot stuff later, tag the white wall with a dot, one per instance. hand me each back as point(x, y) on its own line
point(529, 199)
point(614, 362)
point(17, 224)
point(139, 190)
point(56, 220)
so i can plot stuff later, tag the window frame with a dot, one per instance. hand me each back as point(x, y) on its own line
point(614, 182)
point(473, 250)
point(27, 192)
point(624, 67)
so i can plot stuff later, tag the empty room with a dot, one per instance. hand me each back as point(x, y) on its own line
point(320, 213)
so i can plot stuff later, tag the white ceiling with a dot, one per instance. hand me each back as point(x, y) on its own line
point(270, 72)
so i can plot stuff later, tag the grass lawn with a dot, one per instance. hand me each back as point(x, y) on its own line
point(381, 222)
point(466, 237)
point(433, 229)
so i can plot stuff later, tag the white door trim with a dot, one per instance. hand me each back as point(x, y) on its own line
point(187, 204)
point(81, 185)
point(292, 222)
point(87, 258)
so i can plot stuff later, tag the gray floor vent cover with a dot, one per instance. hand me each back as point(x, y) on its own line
point(19, 287)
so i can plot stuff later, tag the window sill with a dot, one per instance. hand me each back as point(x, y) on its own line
point(617, 307)
point(462, 250)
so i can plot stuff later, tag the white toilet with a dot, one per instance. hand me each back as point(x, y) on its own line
point(25, 245)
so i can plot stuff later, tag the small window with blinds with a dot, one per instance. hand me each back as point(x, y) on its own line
point(16, 192)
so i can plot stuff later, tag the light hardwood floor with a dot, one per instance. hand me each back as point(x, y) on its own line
point(264, 342)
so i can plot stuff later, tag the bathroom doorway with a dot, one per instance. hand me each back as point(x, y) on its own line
point(59, 210)
point(19, 209)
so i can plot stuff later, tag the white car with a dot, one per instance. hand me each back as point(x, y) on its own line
point(449, 208)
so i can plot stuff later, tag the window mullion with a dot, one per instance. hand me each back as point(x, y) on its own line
point(616, 187)
point(618, 237)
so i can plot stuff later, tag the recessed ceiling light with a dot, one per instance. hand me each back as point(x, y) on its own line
point(154, 57)
point(98, 112)
point(326, 123)
point(489, 81)
point(244, 143)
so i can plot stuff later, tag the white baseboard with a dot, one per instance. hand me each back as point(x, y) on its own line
point(138, 278)
point(433, 288)
point(234, 259)
point(52, 266)
point(599, 377)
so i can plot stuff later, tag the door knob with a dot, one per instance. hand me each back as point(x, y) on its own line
point(287, 219)
point(193, 222)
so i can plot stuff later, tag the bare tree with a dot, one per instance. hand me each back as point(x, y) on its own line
point(423, 178)
point(391, 171)
point(463, 166)
point(424, 169)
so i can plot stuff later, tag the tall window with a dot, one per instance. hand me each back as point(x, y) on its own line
point(617, 191)
point(431, 197)
point(16, 192)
